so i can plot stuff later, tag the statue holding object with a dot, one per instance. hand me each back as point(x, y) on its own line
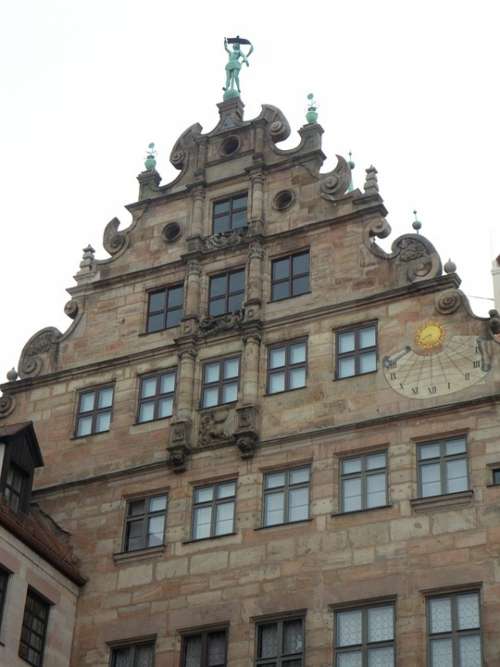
point(232, 87)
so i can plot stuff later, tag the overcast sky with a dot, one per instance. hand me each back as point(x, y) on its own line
point(411, 87)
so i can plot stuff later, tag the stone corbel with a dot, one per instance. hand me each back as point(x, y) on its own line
point(246, 434)
point(179, 446)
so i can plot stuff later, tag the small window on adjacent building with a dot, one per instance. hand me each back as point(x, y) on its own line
point(287, 366)
point(205, 649)
point(34, 629)
point(165, 308)
point(230, 214)
point(145, 522)
point(442, 467)
point(365, 636)
point(286, 496)
point(4, 578)
point(364, 482)
point(356, 351)
point(220, 382)
point(280, 643)
point(15, 487)
point(156, 396)
point(133, 655)
point(290, 276)
point(213, 510)
point(454, 630)
point(94, 411)
point(226, 293)
point(496, 476)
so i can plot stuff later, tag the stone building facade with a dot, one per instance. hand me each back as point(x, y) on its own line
point(273, 441)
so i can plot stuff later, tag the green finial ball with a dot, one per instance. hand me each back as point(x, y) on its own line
point(312, 113)
point(150, 161)
point(416, 224)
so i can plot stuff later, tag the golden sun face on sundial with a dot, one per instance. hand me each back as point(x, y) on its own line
point(429, 336)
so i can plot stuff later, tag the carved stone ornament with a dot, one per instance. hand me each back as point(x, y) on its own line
point(42, 347)
point(224, 240)
point(209, 326)
point(494, 324)
point(247, 418)
point(7, 405)
point(335, 183)
point(113, 240)
point(246, 435)
point(171, 232)
point(247, 444)
point(279, 127)
point(448, 302)
point(178, 457)
point(71, 309)
point(183, 145)
point(215, 428)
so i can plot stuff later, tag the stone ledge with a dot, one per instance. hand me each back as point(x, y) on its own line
point(288, 523)
point(138, 554)
point(204, 539)
point(444, 501)
point(368, 509)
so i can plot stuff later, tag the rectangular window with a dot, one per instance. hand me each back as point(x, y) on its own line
point(16, 483)
point(34, 629)
point(442, 467)
point(364, 482)
point(165, 308)
point(145, 522)
point(364, 636)
point(496, 476)
point(286, 366)
point(286, 496)
point(226, 293)
point(220, 382)
point(356, 351)
point(205, 649)
point(454, 630)
point(134, 655)
point(280, 643)
point(4, 578)
point(290, 276)
point(213, 510)
point(156, 396)
point(230, 214)
point(94, 411)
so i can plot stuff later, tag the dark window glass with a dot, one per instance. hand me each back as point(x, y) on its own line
point(287, 366)
point(230, 214)
point(286, 496)
point(4, 578)
point(213, 510)
point(205, 649)
point(165, 308)
point(365, 636)
point(94, 411)
point(290, 276)
point(453, 629)
point(496, 476)
point(442, 467)
point(281, 643)
point(156, 396)
point(226, 293)
point(145, 523)
point(220, 382)
point(356, 351)
point(15, 488)
point(364, 482)
point(135, 655)
point(34, 629)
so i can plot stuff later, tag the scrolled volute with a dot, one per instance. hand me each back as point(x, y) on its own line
point(448, 302)
point(39, 352)
point(7, 405)
point(335, 183)
point(71, 308)
point(113, 240)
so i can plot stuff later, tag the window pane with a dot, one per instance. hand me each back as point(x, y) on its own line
point(300, 263)
point(218, 285)
point(147, 411)
point(441, 653)
point(175, 296)
point(144, 656)
point(174, 317)
point(380, 624)
point(157, 301)
point(374, 461)
point(268, 644)
point(221, 225)
point(240, 202)
point(276, 382)
point(351, 465)
point(239, 220)
point(231, 368)
point(457, 475)
point(121, 657)
point(156, 322)
point(468, 611)
point(297, 378)
point(455, 446)
point(193, 651)
point(352, 659)
point(157, 503)
point(368, 362)
point(496, 476)
point(105, 398)
point(367, 337)
point(349, 628)
point(292, 637)
point(346, 367)
point(297, 352)
point(381, 657)
point(280, 291)
point(274, 479)
point(431, 479)
point(226, 490)
point(202, 521)
point(217, 307)
point(346, 342)
point(351, 495)
point(277, 357)
point(376, 491)
point(235, 303)
point(300, 285)
point(440, 610)
point(204, 495)
point(237, 281)
point(280, 269)
point(222, 207)
point(155, 530)
point(298, 508)
point(102, 422)
point(210, 397)
point(148, 387)
point(274, 508)
point(165, 407)
point(470, 651)
point(136, 507)
point(135, 536)
point(87, 401)
point(300, 475)
point(224, 522)
point(216, 649)
point(429, 451)
point(230, 392)
point(84, 426)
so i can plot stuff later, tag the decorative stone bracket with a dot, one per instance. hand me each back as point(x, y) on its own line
point(246, 434)
point(209, 326)
point(179, 447)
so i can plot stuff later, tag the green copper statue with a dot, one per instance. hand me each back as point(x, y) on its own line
point(232, 87)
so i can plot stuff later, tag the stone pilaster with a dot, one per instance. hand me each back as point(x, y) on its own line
point(185, 383)
point(193, 290)
point(251, 368)
point(198, 195)
point(256, 220)
point(255, 280)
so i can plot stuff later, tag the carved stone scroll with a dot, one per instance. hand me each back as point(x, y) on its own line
point(40, 352)
point(113, 240)
point(7, 405)
point(335, 183)
point(71, 308)
point(448, 302)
